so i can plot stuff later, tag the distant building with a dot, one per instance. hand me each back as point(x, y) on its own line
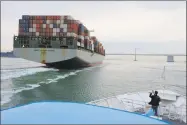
point(170, 58)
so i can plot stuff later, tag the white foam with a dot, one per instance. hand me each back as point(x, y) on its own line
point(32, 86)
point(23, 72)
point(15, 73)
point(60, 77)
point(72, 73)
point(5, 101)
point(6, 96)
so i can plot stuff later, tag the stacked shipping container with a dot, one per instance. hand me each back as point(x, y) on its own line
point(59, 26)
point(48, 26)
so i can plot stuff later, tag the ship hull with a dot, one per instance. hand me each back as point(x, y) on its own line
point(74, 63)
point(60, 58)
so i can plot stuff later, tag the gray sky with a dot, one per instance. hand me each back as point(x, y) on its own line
point(154, 27)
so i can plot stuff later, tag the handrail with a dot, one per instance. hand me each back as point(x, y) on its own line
point(125, 100)
point(177, 113)
point(116, 97)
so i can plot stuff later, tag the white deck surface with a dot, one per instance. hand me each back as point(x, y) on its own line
point(172, 105)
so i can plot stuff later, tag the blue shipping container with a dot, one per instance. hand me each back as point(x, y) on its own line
point(43, 17)
point(21, 21)
point(96, 43)
point(54, 25)
point(26, 25)
point(26, 29)
point(25, 17)
point(44, 21)
point(82, 28)
point(21, 25)
point(26, 21)
point(61, 29)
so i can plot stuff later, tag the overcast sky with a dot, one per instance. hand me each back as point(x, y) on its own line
point(154, 27)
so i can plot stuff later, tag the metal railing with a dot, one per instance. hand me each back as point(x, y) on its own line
point(169, 111)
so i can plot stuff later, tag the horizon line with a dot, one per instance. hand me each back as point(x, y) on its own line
point(161, 54)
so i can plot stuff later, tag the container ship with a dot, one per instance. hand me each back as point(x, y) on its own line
point(57, 41)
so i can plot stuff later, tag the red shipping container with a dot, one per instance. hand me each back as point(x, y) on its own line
point(51, 30)
point(37, 29)
point(76, 27)
point(69, 30)
point(37, 25)
point(37, 17)
point(41, 21)
point(37, 21)
point(34, 21)
point(47, 26)
point(58, 17)
point(41, 25)
point(47, 30)
point(54, 17)
point(73, 26)
point(68, 26)
point(48, 17)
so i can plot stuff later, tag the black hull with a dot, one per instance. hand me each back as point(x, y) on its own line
point(74, 63)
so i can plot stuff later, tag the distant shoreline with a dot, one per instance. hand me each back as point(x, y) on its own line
point(11, 55)
point(151, 54)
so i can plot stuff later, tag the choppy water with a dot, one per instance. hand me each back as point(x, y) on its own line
point(24, 81)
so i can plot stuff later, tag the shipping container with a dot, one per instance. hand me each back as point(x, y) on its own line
point(57, 25)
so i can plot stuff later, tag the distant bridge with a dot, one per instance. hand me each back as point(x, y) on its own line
point(151, 54)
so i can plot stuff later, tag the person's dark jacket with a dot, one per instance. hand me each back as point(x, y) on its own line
point(154, 100)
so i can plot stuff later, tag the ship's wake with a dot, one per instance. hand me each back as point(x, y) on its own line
point(8, 93)
point(10, 73)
